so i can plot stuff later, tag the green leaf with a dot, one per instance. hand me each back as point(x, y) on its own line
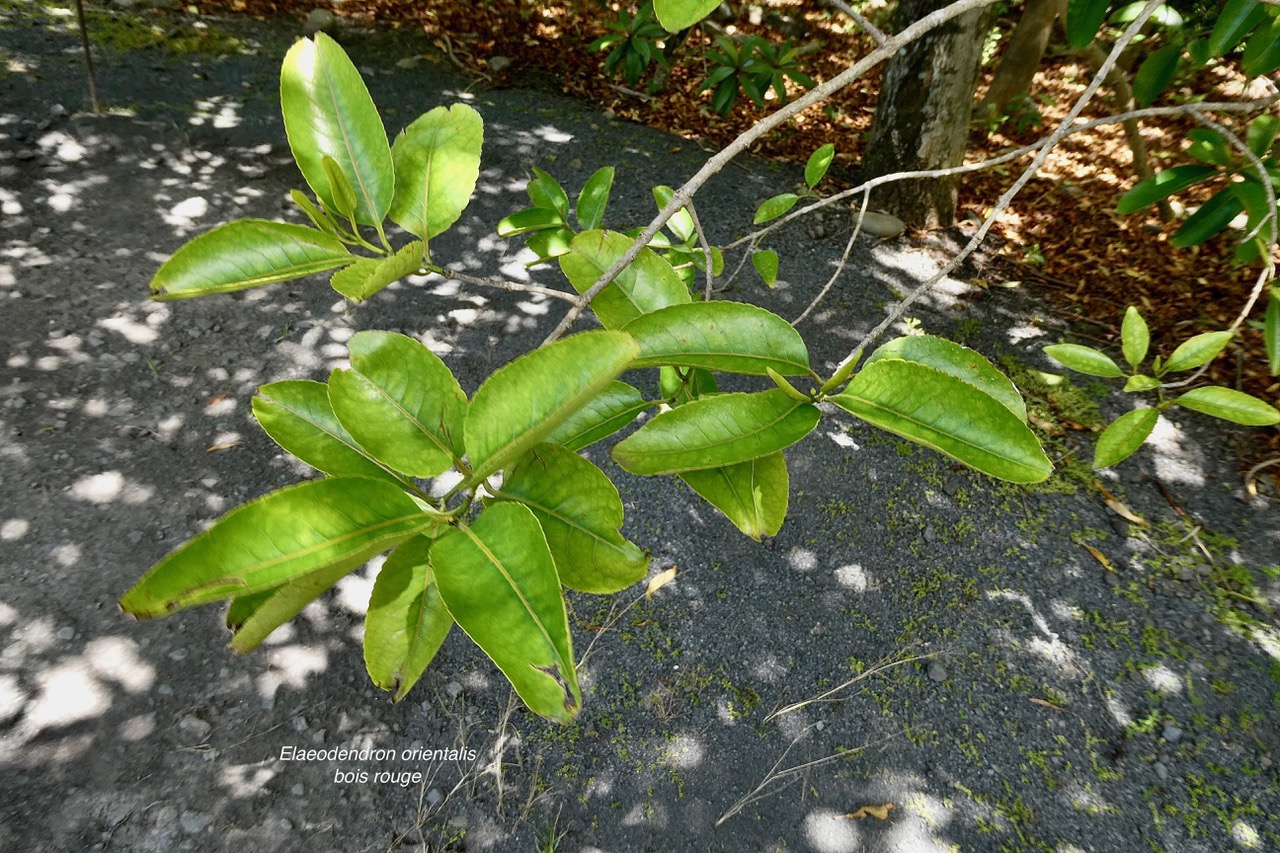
point(819, 162)
point(328, 113)
point(1198, 50)
point(1198, 350)
point(1229, 405)
point(523, 402)
point(277, 538)
point(1235, 20)
point(1123, 437)
point(367, 276)
point(344, 197)
point(546, 192)
point(766, 263)
point(549, 244)
point(753, 494)
point(1135, 337)
point(437, 161)
point(499, 581)
point(609, 411)
point(647, 284)
point(246, 253)
point(1262, 51)
point(400, 403)
point(1155, 74)
point(297, 415)
point(1163, 185)
point(717, 260)
point(681, 385)
point(716, 431)
point(1261, 132)
point(933, 408)
point(318, 217)
point(1139, 383)
point(958, 361)
point(531, 219)
point(1084, 19)
point(726, 336)
point(594, 198)
point(1084, 360)
point(1271, 332)
point(277, 606)
point(1209, 146)
point(580, 513)
point(407, 620)
point(681, 222)
point(1214, 215)
point(1163, 15)
point(677, 15)
point(774, 207)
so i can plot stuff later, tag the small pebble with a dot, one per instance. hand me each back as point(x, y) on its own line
point(297, 790)
point(434, 797)
point(1172, 734)
point(1162, 772)
point(937, 672)
point(453, 690)
point(67, 633)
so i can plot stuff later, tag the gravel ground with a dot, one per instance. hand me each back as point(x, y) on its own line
point(923, 659)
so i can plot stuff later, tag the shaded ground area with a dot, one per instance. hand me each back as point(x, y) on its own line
point(1008, 668)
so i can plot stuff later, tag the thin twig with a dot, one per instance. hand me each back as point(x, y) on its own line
point(512, 286)
point(830, 695)
point(870, 28)
point(844, 260)
point(717, 162)
point(706, 250)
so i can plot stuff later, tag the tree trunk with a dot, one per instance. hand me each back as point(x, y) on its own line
point(922, 115)
point(1022, 57)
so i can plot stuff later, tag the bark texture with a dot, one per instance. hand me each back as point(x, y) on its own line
point(922, 115)
point(1025, 50)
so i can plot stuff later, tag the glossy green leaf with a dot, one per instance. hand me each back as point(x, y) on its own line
point(715, 431)
point(1166, 16)
point(1084, 360)
point(677, 15)
point(400, 403)
point(580, 513)
point(499, 581)
point(546, 192)
point(594, 198)
point(681, 385)
point(955, 360)
point(328, 113)
point(1124, 436)
point(1234, 22)
point(1084, 19)
point(437, 160)
point(753, 494)
point(1139, 383)
point(728, 336)
point(774, 207)
point(297, 415)
point(1214, 215)
point(281, 604)
point(1209, 146)
point(1155, 73)
point(717, 260)
point(935, 409)
point(1271, 332)
point(1229, 405)
point(681, 222)
point(277, 538)
point(550, 243)
point(1163, 185)
point(344, 197)
point(1262, 51)
point(609, 411)
point(819, 161)
point(367, 276)
point(532, 219)
point(647, 284)
point(1198, 350)
point(1135, 337)
point(766, 263)
point(246, 253)
point(1262, 131)
point(1198, 50)
point(525, 401)
point(407, 620)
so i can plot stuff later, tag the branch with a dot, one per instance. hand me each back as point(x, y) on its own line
point(685, 194)
point(514, 287)
point(706, 249)
point(870, 28)
point(1002, 204)
point(844, 260)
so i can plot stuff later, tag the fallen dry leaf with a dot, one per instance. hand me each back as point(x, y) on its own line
point(1101, 558)
point(660, 580)
point(880, 812)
